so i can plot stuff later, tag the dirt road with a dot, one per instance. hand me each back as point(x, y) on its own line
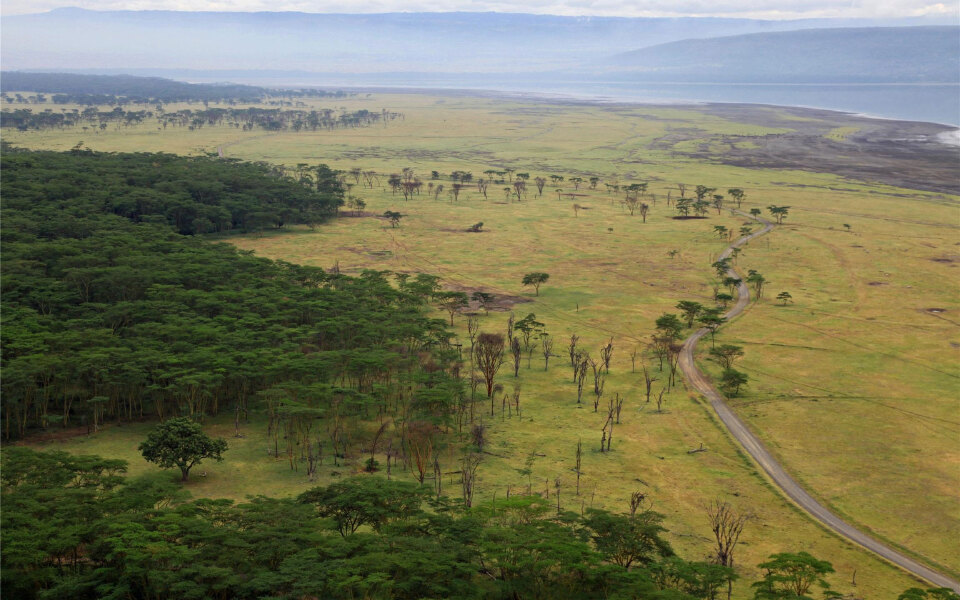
point(761, 456)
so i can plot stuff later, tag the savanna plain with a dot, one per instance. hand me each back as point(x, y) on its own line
point(853, 377)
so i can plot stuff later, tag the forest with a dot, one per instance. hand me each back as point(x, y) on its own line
point(113, 310)
point(76, 527)
point(246, 119)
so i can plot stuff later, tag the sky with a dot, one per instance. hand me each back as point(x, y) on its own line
point(762, 9)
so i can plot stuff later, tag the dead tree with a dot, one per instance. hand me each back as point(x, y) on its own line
point(583, 361)
point(618, 405)
point(546, 342)
point(636, 501)
point(727, 524)
point(606, 353)
point(516, 351)
point(579, 463)
point(598, 382)
point(572, 352)
point(468, 477)
point(647, 379)
point(660, 401)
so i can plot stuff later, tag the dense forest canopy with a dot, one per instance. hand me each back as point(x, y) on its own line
point(112, 310)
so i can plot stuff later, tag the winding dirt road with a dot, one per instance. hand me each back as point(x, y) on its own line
point(767, 462)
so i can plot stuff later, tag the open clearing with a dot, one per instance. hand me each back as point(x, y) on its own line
point(854, 386)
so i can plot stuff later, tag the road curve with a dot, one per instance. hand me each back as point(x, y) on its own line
point(767, 462)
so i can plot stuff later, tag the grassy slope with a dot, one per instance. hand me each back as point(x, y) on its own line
point(869, 454)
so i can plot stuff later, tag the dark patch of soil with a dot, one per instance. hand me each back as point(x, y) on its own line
point(905, 154)
point(878, 283)
point(687, 218)
point(500, 303)
point(352, 214)
point(943, 259)
point(936, 311)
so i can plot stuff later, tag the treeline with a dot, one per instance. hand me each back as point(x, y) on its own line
point(247, 119)
point(75, 527)
point(128, 87)
point(110, 312)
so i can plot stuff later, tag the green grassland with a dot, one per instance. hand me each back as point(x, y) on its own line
point(854, 385)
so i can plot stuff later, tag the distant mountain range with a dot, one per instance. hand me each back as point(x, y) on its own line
point(369, 48)
point(847, 55)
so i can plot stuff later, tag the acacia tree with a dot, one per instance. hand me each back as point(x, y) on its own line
point(788, 575)
point(690, 310)
point(778, 212)
point(737, 194)
point(180, 442)
point(726, 354)
point(536, 279)
point(732, 380)
point(453, 302)
point(784, 297)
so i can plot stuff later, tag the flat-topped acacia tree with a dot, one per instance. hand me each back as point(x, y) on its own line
point(536, 279)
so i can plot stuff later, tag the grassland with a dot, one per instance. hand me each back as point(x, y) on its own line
point(854, 385)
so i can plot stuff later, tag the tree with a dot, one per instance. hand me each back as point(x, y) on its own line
point(482, 298)
point(737, 194)
point(727, 525)
point(757, 281)
point(725, 354)
point(778, 212)
point(784, 297)
point(755, 212)
point(724, 299)
point(790, 576)
point(476, 227)
point(180, 442)
point(540, 182)
point(394, 217)
point(626, 540)
point(669, 325)
point(731, 380)
point(546, 342)
point(536, 279)
point(453, 302)
point(371, 501)
point(528, 327)
point(701, 191)
point(690, 310)
point(489, 353)
point(644, 209)
point(712, 320)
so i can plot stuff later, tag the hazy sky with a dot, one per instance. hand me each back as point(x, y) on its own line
point(766, 9)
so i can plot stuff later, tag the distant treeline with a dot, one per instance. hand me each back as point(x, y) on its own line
point(270, 119)
point(72, 88)
point(110, 312)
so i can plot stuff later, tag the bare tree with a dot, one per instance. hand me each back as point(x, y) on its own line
point(682, 187)
point(516, 352)
point(540, 181)
point(647, 379)
point(468, 477)
point(606, 353)
point(644, 209)
point(582, 362)
point(546, 342)
point(579, 463)
point(572, 352)
point(727, 524)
